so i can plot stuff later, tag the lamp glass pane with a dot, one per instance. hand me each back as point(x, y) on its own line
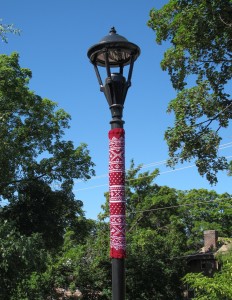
point(118, 56)
point(115, 56)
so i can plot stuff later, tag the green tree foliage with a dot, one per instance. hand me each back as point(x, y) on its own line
point(5, 29)
point(163, 226)
point(218, 287)
point(199, 34)
point(155, 238)
point(202, 210)
point(86, 266)
point(31, 136)
point(28, 271)
point(20, 256)
point(230, 169)
point(37, 172)
point(38, 209)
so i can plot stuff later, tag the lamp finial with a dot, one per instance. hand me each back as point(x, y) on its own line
point(112, 30)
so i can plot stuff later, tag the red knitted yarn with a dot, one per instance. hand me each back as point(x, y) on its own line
point(117, 193)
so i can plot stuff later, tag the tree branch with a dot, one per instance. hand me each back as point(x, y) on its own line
point(214, 118)
point(227, 24)
point(5, 184)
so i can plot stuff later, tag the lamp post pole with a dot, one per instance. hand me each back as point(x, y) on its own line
point(115, 51)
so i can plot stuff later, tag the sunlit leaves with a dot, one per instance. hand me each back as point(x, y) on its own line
point(200, 54)
point(219, 287)
point(5, 29)
point(31, 135)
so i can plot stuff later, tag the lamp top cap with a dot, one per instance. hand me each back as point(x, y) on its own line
point(112, 30)
point(116, 43)
point(113, 37)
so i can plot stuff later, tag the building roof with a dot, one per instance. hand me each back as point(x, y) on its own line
point(224, 245)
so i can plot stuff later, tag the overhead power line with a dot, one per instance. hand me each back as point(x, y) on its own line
point(158, 163)
point(180, 205)
point(161, 173)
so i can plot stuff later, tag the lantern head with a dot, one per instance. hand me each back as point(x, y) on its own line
point(114, 51)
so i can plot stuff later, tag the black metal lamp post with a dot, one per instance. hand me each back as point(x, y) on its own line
point(115, 51)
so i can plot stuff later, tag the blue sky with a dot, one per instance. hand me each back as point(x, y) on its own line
point(55, 37)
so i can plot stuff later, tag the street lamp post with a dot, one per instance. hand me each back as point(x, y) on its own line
point(115, 51)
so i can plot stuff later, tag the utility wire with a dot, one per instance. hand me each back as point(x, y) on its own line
point(161, 173)
point(216, 201)
point(162, 162)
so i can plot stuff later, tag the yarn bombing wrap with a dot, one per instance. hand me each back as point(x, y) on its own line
point(117, 193)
